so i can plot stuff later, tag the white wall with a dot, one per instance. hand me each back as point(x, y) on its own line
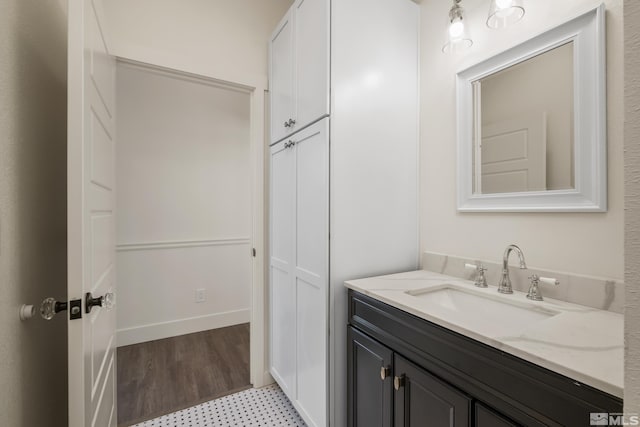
point(590, 244)
point(632, 206)
point(33, 105)
point(222, 38)
point(184, 206)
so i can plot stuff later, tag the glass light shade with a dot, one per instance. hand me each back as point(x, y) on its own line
point(503, 13)
point(457, 36)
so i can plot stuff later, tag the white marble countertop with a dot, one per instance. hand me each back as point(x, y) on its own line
point(582, 343)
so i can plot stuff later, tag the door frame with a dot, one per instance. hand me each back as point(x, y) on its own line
point(254, 87)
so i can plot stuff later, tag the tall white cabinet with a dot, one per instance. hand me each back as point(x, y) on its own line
point(344, 181)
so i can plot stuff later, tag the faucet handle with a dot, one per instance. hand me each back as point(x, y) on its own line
point(481, 280)
point(534, 288)
point(549, 280)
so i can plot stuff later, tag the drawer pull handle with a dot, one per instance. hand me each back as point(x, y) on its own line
point(385, 371)
point(398, 381)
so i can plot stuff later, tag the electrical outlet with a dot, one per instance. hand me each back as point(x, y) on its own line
point(200, 295)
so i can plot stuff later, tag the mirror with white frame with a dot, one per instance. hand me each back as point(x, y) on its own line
point(532, 124)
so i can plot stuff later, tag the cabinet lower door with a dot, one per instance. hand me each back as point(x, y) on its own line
point(370, 382)
point(485, 417)
point(282, 295)
point(423, 400)
point(311, 264)
point(299, 269)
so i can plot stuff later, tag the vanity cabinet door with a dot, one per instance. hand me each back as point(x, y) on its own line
point(485, 417)
point(423, 400)
point(370, 382)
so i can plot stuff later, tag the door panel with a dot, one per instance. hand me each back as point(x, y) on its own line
point(311, 267)
point(425, 400)
point(312, 193)
point(281, 78)
point(311, 349)
point(369, 395)
point(91, 216)
point(311, 60)
point(282, 204)
point(282, 291)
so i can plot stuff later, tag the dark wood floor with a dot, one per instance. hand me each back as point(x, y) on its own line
point(163, 376)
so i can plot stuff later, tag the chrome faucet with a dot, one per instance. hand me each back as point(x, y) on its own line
point(505, 282)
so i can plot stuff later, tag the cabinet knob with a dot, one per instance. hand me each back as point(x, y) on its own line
point(291, 122)
point(385, 371)
point(398, 381)
point(286, 124)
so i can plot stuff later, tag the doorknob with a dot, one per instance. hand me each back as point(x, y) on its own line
point(50, 307)
point(107, 301)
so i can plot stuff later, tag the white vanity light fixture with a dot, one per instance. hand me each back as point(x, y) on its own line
point(457, 32)
point(503, 13)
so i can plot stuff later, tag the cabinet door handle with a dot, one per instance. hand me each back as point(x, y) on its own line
point(291, 122)
point(398, 381)
point(385, 371)
point(287, 124)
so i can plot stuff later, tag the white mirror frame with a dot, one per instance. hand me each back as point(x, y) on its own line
point(587, 31)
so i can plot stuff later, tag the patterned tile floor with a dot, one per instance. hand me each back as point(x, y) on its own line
point(264, 407)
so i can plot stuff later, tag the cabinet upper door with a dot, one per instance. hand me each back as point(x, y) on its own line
point(311, 60)
point(423, 400)
point(281, 81)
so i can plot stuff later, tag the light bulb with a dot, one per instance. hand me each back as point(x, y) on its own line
point(503, 4)
point(456, 29)
point(503, 13)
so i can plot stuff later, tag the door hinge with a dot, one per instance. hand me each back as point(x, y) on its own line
point(75, 309)
point(253, 252)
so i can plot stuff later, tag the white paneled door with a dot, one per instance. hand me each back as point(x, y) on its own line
point(91, 225)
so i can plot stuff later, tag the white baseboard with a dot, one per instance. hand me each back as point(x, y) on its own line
point(156, 331)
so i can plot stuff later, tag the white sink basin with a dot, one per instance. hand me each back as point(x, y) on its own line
point(480, 311)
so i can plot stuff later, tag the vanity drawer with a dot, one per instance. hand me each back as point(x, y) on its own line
point(522, 391)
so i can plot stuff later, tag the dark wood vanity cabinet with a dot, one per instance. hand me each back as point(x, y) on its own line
point(404, 371)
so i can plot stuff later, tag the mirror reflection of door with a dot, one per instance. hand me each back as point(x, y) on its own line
point(513, 155)
point(524, 137)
